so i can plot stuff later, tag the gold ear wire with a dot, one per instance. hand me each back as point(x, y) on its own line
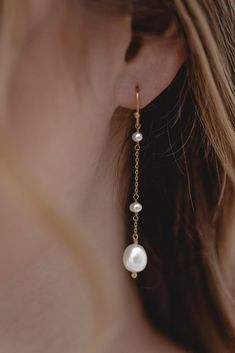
point(137, 112)
point(137, 99)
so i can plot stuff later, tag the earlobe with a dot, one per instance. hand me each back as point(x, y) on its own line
point(152, 69)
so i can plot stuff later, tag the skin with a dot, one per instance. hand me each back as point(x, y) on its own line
point(68, 81)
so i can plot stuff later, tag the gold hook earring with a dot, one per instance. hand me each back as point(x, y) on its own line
point(135, 257)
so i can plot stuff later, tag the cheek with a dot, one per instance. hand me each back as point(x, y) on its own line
point(106, 43)
point(65, 60)
point(42, 100)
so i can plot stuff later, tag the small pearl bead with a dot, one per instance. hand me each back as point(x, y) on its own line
point(135, 207)
point(137, 136)
point(135, 258)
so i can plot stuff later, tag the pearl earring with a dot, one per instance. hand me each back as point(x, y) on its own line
point(135, 257)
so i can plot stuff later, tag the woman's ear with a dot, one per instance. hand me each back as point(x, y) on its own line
point(152, 68)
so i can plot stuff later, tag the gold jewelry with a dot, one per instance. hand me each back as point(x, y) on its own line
point(135, 257)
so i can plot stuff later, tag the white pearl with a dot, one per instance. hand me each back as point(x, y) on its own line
point(135, 258)
point(137, 136)
point(135, 207)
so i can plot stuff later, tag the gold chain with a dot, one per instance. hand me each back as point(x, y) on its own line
point(136, 195)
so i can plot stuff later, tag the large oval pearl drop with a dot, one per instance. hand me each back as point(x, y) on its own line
point(135, 258)
point(135, 207)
